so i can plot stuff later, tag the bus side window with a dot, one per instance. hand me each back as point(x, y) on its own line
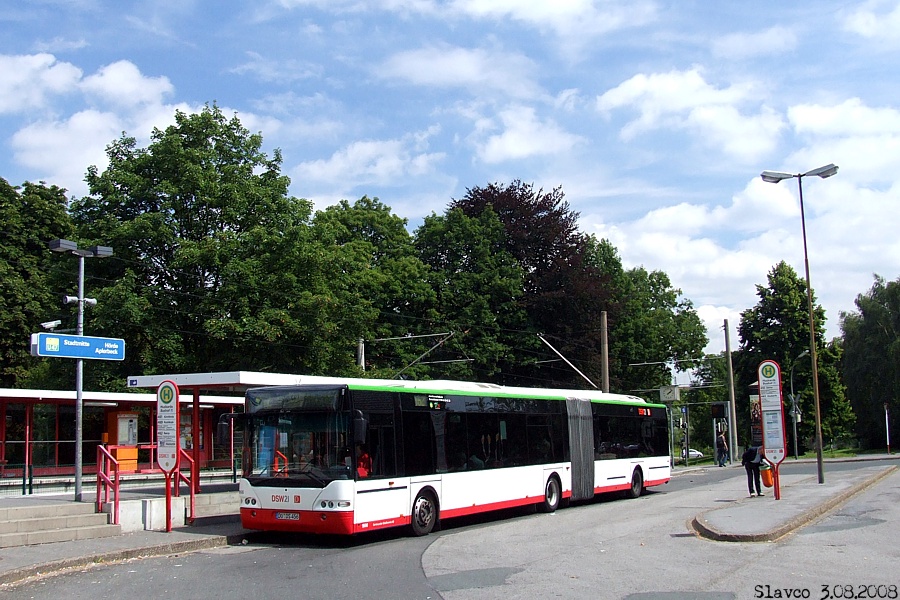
point(381, 446)
point(418, 436)
point(513, 446)
point(456, 442)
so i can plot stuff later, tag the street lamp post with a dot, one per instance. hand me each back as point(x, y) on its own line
point(775, 177)
point(794, 401)
point(66, 246)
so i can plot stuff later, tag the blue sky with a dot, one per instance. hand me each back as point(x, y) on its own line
point(654, 117)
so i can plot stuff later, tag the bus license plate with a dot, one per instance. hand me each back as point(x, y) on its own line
point(286, 516)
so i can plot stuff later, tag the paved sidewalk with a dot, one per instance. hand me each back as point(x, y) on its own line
point(745, 520)
point(26, 561)
point(803, 499)
point(21, 562)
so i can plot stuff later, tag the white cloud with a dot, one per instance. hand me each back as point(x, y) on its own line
point(863, 141)
point(61, 149)
point(772, 41)
point(565, 17)
point(849, 118)
point(28, 82)
point(371, 162)
point(60, 44)
point(744, 137)
point(870, 21)
point(714, 318)
point(270, 70)
point(683, 100)
point(47, 147)
point(451, 67)
point(341, 6)
point(571, 20)
point(718, 254)
point(525, 136)
point(122, 84)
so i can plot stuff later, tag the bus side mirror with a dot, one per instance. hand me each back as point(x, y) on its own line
point(359, 429)
point(223, 428)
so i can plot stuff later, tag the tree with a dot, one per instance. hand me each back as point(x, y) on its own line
point(651, 323)
point(777, 328)
point(31, 216)
point(871, 359)
point(563, 293)
point(215, 266)
point(382, 280)
point(657, 322)
point(477, 286)
point(708, 387)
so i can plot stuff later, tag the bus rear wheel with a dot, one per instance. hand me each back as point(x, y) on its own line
point(424, 514)
point(552, 496)
point(637, 484)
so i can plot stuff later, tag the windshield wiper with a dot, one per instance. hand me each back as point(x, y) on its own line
point(307, 470)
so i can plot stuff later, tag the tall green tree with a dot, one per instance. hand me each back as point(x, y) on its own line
point(777, 328)
point(708, 387)
point(657, 322)
point(477, 285)
point(30, 217)
point(382, 281)
point(563, 292)
point(871, 360)
point(652, 325)
point(215, 266)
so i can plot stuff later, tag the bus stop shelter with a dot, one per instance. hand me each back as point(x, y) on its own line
point(197, 383)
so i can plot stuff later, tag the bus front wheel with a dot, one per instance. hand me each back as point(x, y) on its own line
point(424, 514)
point(552, 495)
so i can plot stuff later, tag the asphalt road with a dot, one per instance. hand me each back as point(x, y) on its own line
point(640, 549)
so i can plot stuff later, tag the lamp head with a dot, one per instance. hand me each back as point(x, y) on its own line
point(823, 172)
point(774, 176)
point(63, 246)
point(101, 251)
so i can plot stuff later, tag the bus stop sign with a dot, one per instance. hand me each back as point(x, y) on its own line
point(167, 426)
point(772, 411)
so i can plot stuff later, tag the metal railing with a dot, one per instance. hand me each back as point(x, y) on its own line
point(181, 477)
point(107, 480)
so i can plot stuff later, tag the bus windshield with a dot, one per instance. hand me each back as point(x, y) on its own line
point(299, 448)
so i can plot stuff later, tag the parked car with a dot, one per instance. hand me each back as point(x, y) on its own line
point(692, 453)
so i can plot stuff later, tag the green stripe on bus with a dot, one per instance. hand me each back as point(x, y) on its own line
point(492, 394)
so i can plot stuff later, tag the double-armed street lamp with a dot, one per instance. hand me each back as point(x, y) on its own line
point(775, 177)
point(69, 247)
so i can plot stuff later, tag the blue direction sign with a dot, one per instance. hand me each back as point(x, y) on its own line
point(77, 346)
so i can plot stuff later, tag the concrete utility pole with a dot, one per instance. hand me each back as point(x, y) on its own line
point(604, 354)
point(732, 416)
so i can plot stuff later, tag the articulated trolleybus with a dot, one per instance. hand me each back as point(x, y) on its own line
point(346, 456)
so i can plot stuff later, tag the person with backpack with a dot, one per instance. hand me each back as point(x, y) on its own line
point(721, 450)
point(751, 459)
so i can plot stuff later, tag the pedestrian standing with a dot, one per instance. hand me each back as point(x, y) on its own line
point(721, 450)
point(751, 460)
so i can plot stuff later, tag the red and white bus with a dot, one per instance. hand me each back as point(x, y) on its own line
point(346, 456)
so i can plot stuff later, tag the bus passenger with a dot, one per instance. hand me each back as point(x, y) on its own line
point(363, 461)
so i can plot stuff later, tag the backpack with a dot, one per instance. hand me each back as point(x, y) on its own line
point(749, 456)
